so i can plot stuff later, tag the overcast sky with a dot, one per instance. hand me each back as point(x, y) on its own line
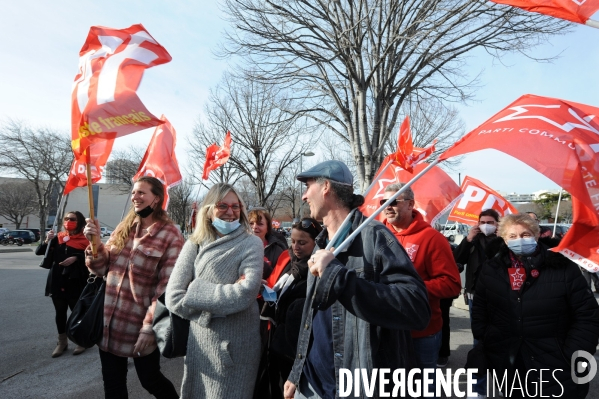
point(41, 41)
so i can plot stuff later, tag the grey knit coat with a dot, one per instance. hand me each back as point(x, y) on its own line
point(223, 349)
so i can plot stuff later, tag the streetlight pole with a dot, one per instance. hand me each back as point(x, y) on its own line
point(302, 155)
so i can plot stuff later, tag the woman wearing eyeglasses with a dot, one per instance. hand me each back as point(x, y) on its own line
point(288, 279)
point(137, 261)
point(68, 275)
point(214, 285)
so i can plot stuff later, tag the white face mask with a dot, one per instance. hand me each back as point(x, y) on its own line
point(487, 229)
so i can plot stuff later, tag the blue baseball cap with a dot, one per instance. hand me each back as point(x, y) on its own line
point(335, 171)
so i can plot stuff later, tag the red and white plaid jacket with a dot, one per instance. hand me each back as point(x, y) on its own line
point(135, 280)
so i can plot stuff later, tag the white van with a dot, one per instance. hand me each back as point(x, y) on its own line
point(455, 232)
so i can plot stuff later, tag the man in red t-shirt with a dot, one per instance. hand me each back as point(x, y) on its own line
point(432, 257)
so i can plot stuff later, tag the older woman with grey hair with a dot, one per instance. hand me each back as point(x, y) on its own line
point(532, 311)
point(214, 285)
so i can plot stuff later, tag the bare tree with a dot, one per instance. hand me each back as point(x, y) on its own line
point(123, 166)
point(353, 64)
point(265, 138)
point(180, 200)
point(42, 156)
point(17, 200)
point(290, 192)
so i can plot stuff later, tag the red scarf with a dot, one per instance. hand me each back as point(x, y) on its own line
point(77, 241)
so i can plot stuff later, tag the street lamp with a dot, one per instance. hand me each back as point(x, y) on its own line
point(302, 155)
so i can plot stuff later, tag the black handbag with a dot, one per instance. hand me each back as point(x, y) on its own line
point(86, 322)
point(171, 331)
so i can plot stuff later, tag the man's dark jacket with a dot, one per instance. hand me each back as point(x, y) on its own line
point(541, 325)
point(472, 254)
point(376, 299)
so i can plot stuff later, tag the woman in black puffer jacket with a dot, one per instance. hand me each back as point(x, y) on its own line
point(532, 310)
point(288, 280)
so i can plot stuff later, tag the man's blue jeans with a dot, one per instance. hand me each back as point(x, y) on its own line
point(427, 349)
point(481, 379)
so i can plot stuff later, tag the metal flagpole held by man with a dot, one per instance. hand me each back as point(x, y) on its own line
point(559, 200)
point(350, 238)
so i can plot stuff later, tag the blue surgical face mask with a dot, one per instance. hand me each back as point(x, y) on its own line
point(522, 246)
point(225, 227)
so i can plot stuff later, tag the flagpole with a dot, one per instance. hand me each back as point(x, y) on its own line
point(90, 198)
point(126, 203)
point(559, 200)
point(60, 205)
point(353, 235)
point(592, 23)
point(377, 177)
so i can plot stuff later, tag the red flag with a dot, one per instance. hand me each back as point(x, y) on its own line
point(100, 151)
point(407, 155)
point(160, 160)
point(572, 10)
point(478, 197)
point(435, 192)
point(217, 156)
point(581, 242)
point(558, 138)
point(104, 100)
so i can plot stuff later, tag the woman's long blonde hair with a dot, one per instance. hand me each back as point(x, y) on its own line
point(204, 231)
point(121, 234)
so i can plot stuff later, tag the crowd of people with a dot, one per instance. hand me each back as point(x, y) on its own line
point(272, 322)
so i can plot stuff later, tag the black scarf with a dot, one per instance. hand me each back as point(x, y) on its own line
point(297, 267)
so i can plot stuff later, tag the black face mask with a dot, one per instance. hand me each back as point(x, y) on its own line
point(144, 213)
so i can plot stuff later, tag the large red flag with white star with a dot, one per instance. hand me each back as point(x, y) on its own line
point(559, 139)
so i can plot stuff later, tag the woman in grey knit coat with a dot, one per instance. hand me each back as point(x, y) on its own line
point(214, 284)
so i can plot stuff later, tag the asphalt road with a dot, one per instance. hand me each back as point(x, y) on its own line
point(28, 336)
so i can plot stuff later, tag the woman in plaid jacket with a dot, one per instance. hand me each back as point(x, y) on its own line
point(137, 261)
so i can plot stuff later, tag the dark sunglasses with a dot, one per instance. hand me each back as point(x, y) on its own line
point(307, 224)
point(68, 219)
point(392, 203)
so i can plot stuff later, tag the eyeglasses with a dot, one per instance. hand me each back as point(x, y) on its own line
point(392, 203)
point(68, 219)
point(222, 207)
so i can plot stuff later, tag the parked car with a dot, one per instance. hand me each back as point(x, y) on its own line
point(3, 231)
point(36, 232)
point(560, 230)
point(27, 235)
point(105, 231)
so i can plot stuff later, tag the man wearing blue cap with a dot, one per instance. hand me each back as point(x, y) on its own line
point(360, 306)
